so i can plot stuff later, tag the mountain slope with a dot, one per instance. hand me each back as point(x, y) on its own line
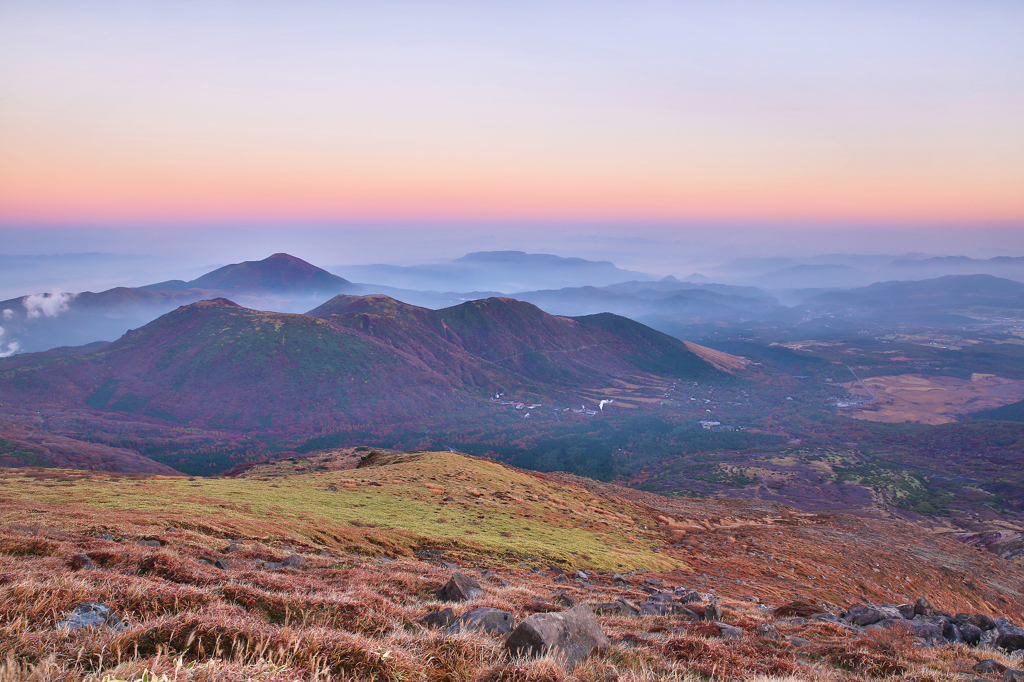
point(355, 361)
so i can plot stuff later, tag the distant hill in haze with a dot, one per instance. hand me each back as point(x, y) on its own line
point(42, 321)
point(279, 273)
point(932, 301)
point(354, 359)
point(504, 271)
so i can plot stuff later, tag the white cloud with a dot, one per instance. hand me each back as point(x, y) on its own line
point(8, 314)
point(48, 305)
point(12, 348)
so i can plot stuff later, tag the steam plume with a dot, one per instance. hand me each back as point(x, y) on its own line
point(8, 314)
point(46, 305)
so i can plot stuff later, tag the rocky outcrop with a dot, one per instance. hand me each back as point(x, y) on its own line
point(485, 619)
point(569, 636)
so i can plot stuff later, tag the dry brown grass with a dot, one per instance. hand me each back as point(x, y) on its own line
point(350, 616)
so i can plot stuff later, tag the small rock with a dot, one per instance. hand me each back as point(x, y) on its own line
point(566, 601)
point(869, 615)
point(223, 563)
point(233, 547)
point(798, 641)
point(982, 621)
point(560, 578)
point(91, 614)
point(971, 634)
point(628, 608)
point(1011, 675)
point(712, 612)
point(438, 619)
point(569, 636)
point(485, 619)
point(768, 631)
point(272, 565)
point(460, 588)
point(620, 579)
point(149, 543)
point(80, 562)
point(989, 667)
point(729, 631)
point(450, 566)
point(108, 537)
point(581, 575)
point(292, 561)
point(653, 582)
point(906, 610)
point(923, 607)
point(687, 596)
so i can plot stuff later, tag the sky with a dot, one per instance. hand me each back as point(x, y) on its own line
point(414, 130)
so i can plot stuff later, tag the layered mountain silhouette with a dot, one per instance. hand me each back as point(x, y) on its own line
point(352, 360)
point(281, 281)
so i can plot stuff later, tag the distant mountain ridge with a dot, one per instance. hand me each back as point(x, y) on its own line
point(279, 273)
point(353, 360)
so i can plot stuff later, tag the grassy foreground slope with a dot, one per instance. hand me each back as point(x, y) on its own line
point(369, 543)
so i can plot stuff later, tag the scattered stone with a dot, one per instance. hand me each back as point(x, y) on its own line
point(485, 619)
point(989, 666)
point(869, 615)
point(581, 575)
point(233, 547)
point(108, 537)
point(825, 616)
point(653, 582)
point(80, 562)
point(91, 614)
point(798, 641)
point(566, 601)
point(768, 631)
point(620, 579)
point(149, 543)
point(460, 588)
point(560, 578)
point(982, 621)
point(450, 566)
point(1010, 675)
point(712, 612)
point(906, 610)
point(223, 563)
point(324, 553)
point(438, 619)
point(569, 636)
point(687, 596)
point(272, 565)
point(292, 561)
point(729, 631)
point(923, 607)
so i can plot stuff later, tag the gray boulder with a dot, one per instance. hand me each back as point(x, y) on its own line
point(438, 619)
point(971, 634)
point(485, 619)
point(712, 612)
point(292, 561)
point(1010, 638)
point(569, 636)
point(1011, 675)
point(687, 596)
point(91, 614)
point(989, 667)
point(729, 631)
point(925, 632)
point(460, 588)
point(869, 615)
